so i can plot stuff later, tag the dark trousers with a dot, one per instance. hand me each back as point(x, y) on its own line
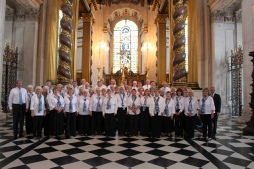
point(133, 124)
point(145, 122)
point(156, 126)
point(127, 124)
point(190, 126)
point(56, 121)
point(37, 126)
point(46, 124)
point(110, 124)
point(18, 118)
point(70, 124)
point(121, 116)
point(167, 125)
point(29, 122)
point(179, 124)
point(207, 123)
point(215, 119)
point(84, 124)
point(96, 123)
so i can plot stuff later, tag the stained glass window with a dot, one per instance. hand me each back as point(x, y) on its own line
point(125, 51)
point(186, 44)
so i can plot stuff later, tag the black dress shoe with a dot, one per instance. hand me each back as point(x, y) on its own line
point(21, 135)
point(15, 138)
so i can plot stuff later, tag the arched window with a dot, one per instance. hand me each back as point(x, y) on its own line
point(125, 42)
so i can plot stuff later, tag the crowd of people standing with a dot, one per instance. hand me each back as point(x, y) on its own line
point(139, 109)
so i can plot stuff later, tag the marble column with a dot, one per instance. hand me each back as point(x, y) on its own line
point(52, 39)
point(2, 20)
point(161, 47)
point(248, 46)
point(87, 46)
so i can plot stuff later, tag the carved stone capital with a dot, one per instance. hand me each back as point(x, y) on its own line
point(226, 16)
point(88, 17)
point(161, 18)
point(9, 14)
point(27, 14)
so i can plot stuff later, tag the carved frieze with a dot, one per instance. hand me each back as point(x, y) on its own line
point(22, 14)
point(226, 16)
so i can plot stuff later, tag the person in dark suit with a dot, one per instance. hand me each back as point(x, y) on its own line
point(217, 103)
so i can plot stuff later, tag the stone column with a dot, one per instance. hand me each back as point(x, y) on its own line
point(52, 36)
point(87, 46)
point(41, 59)
point(179, 16)
point(2, 20)
point(161, 47)
point(248, 46)
point(66, 45)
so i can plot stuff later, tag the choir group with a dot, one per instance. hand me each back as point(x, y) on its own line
point(130, 110)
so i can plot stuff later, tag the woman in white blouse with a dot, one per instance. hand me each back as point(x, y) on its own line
point(29, 119)
point(206, 113)
point(168, 115)
point(121, 110)
point(156, 122)
point(84, 116)
point(109, 109)
point(191, 107)
point(179, 102)
point(147, 105)
point(133, 104)
point(56, 106)
point(37, 108)
point(95, 108)
point(70, 109)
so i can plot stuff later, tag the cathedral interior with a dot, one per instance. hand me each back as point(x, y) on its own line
point(187, 43)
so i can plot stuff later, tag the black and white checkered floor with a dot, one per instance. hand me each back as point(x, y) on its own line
point(230, 149)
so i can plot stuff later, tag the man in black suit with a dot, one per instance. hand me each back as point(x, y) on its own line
point(217, 104)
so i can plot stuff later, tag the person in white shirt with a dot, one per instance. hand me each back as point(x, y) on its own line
point(103, 92)
point(134, 85)
point(83, 83)
point(109, 107)
point(133, 104)
point(61, 90)
point(75, 88)
point(91, 92)
point(84, 115)
point(152, 83)
point(156, 121)
point(121, 98)
point(168, 116)
point(191, 108)
point(147, 85)
point(29, 119)
point(206, 113)
point(80, 93)
point(165, 88)
point(140, 92)
point(17, 106)
point(96, 112)
point(56, 115)
point(112, 82)
point(70, 110)
point(139, 85)
point(128, 91)
point(152, 92)
point(147, 105)
point(50, 90)
point(179, 102)
point(173, 92)
point(70, 85)
point(162, 93)
point(46, 96)
point(38, 110)
point(87, 87)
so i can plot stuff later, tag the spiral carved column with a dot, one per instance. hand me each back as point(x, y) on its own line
point(179, 16)
point(64, 64)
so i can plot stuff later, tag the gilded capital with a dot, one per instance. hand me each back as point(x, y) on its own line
point(161, 18)
point(88, 17)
